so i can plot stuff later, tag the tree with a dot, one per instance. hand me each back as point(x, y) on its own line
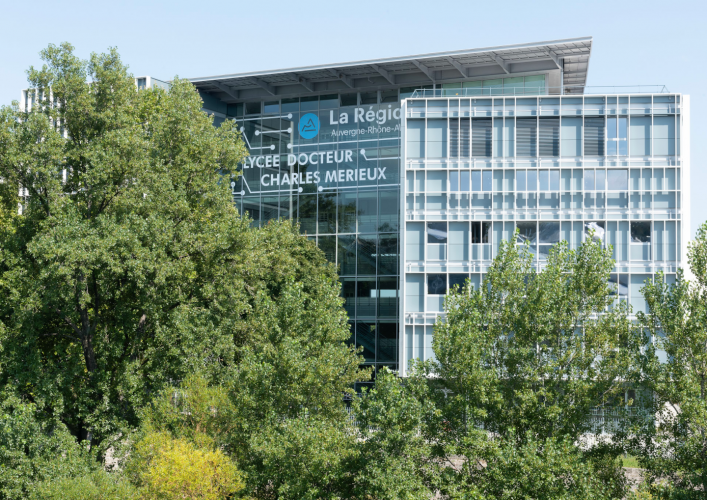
point(125, 269)
point(671, 435)
point(279, 409)
point(35, 449)
point(520, 364)
point(98, 485)
point(394, 458)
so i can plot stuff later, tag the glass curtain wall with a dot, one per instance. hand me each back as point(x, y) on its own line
point(555, 168)
point(337, 173)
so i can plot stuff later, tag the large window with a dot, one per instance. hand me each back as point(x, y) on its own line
point(526, 137)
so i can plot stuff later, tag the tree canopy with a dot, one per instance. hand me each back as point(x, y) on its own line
point(130, 268)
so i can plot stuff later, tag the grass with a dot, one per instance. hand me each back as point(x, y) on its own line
point(630, 461)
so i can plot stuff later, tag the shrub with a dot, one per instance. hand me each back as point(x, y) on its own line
point(168, 468)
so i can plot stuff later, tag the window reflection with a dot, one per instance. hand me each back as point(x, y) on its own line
point(436, 284)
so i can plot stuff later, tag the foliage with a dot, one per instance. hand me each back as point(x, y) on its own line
point(98, 485)
point(304, 457)
point(293, 367)
point(33, 449)
point(196, 411)
point(175, 468)
point(552, 468)
point(124, 270)
point(394, 458)
point(526, 359)
point(671, 439)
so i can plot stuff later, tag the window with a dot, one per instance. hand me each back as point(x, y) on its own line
point(436, 138)
point(549, 180)
point(481, 137)
point(367, 213)
point(436, 232)
point(617, 180)
point(640, 134)
point(589, 180)
point(600, 180)
point(457, 280)
point(663, 135)
point(640, 240)
point(476, 180)
point(596, 229)
point(388, 254)
point(454, 180)
point(616, 136)
point(520, 180)
point(527, 233)
point(571, 137)
point(480, 232)
point(549, 235)
point(487, 180)
point(459, 181)
point(640, 232)
point(532, 180)
point(508, 139)
point(619, 284)
point(253, 108)
point(464, 138)
point(454, 138)
point(526, 137)
point(594, 136)
point(346, 212)
point(347, 254)
point(367, 248)
point(436, 284)
point(415, 138)
point(464, 180)
point(549, 137)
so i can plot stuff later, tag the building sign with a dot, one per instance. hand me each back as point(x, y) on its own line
point(330, 150)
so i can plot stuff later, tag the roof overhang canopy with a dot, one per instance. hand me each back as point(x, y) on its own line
point(570, 55)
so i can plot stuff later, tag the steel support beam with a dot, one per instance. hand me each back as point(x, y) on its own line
point(501, 63)
point(555, 59)
point(384, 73)
point(424, 69)
point(458, 66)
point(347, 80)
point(305, 83)
point(228, 90)
point(263, 85)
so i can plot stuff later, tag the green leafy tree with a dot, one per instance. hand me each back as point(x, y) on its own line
point(279, 409)
point(98, 485)
point(394, 459)
point(520, 364)
point(34, 448)
point(125, 269)
point(671, 437)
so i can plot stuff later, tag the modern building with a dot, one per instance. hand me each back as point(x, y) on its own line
point(409, 171)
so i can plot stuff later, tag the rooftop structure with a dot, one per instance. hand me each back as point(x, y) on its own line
point(567, 60)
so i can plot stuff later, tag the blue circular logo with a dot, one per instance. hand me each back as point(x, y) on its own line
point(308, 126)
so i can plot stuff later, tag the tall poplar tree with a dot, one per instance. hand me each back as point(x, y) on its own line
point(670, 437)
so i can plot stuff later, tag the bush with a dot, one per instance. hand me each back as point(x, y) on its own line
point(168, 468)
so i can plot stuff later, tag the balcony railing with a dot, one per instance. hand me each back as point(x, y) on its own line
point(535, 91)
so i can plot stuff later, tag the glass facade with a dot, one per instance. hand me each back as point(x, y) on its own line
point(409, 191)
point(333, 163)
point(556, 168)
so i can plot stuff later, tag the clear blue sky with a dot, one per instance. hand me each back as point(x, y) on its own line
point(635, 43)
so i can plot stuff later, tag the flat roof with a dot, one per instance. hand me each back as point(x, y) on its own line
point(571, 56)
